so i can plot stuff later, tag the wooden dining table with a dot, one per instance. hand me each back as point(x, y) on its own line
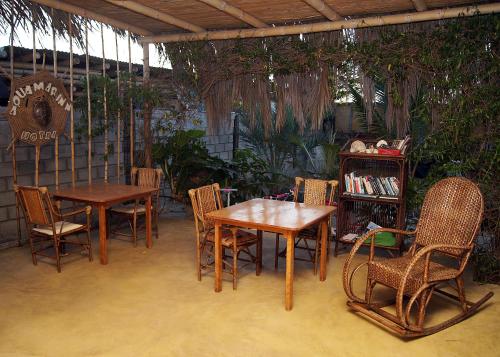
point(286, 218)
point(102, 196)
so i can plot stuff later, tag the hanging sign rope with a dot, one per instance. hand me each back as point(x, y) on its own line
point(38, 108)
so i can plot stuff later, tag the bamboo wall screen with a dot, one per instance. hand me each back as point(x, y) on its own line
point(50, 111)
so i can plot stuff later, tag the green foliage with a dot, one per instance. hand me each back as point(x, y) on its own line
point(186, 162)
point(104, 87)
point(249, 174)
point(329, 167)
point(113, 103)
point(378, 127)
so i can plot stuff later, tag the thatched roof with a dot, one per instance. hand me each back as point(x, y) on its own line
point(181, 20)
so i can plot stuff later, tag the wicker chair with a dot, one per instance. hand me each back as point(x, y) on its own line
point(46, 224)
point(145, 177)
point(207, 199)
point(449, 223)
point(317, 193)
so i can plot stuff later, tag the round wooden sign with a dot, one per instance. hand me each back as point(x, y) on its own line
point(38, 108)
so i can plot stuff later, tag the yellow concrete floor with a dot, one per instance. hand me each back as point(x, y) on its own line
point(147, 302)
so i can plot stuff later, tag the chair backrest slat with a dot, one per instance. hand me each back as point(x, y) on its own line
point(451, 214)
point(206, 199)
point(36, 204)
point(316, 191)
point(146, 177)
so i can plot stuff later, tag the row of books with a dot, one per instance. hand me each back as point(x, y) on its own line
point(371, 186)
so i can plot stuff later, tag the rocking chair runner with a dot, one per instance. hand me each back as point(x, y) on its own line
point(449, 223)
point(207, 199)
point(45, 223)
point(318, 193)
point(144, 177)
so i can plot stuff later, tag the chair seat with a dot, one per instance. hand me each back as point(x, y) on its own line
point(243, 238)
point(390, 272)
point(129, 209)
point(66, 227)
point(309, 233)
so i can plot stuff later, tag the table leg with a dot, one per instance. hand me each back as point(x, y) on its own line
point(290, 260)
point(218, 258)
point(149, 241)
point(324, 251)
point(103, 242)
point(259, 252)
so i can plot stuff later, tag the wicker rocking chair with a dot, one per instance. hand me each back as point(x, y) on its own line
point(207, 199)
point(317, 193)
point(48, 228)
point(449, 223)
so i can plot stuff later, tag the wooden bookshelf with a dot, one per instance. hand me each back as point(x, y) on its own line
point(357, 210)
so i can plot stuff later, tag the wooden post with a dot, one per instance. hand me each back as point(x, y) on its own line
point(89, 107)
point(54, 58)
point(37, 148)
point(105, 107)
point(131, 108)
point(34, 44)
point(14, 163)
point(148, 143)
point(37, 161)
point(118, 116)
point(72, 112)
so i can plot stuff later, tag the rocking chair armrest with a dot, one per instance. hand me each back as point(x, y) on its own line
point(426, 253)
point(347, 274)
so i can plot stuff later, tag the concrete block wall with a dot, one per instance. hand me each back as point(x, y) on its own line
point(219, 144)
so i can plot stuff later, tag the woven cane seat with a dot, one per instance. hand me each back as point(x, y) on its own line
point(66, 227)
point(390, 272)
point(309, 233)
point(129, 209)
point(243, 237)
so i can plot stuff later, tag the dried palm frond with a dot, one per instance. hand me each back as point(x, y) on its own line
point(218, 105)
point(26, 15)
point(368, 88)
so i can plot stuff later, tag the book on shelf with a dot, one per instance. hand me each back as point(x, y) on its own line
point(370, 186)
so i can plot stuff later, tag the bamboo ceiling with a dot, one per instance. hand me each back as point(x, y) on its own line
point(188, 20)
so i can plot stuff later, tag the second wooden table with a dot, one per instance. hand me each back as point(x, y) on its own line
point(286, 218)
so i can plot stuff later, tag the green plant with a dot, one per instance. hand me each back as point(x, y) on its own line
point(248, 173)
point(186, 162)
point(98, 86)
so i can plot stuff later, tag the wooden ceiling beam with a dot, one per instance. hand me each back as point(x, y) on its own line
point(76, 10)
point(420, 5)
point(157, 15)
point(374, 21)
point(236, 12)
point(324, 9)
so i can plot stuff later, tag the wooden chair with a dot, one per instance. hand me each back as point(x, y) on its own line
point(144, 177)
point(317, 193)
point(449, 223)
point(46, 224)
point(207, 199)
